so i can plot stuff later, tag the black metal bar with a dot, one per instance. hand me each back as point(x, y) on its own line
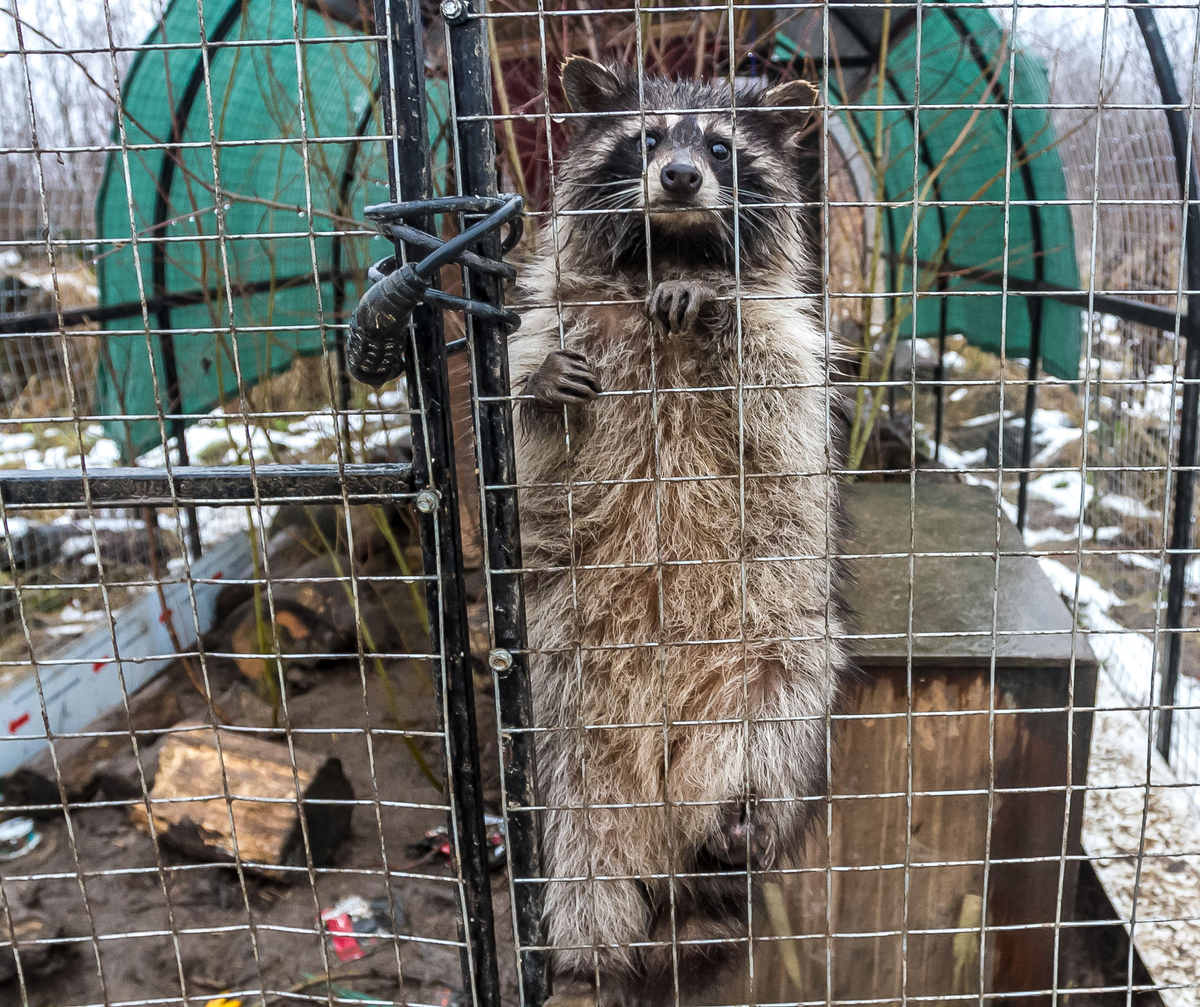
point(208, 486)
point(402, 94)
point(48, 321)
point(349, 174)
point(472, 91)
point(1035, 356)
point(342, 377)
point(1138, 313)
point(1185, 477)
point(178, 428)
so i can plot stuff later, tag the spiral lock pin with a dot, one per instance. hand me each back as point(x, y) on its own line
point(375, 347)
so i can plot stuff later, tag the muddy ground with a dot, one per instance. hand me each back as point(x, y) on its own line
point(140, 925)
point(146, 926)
point(202, 927)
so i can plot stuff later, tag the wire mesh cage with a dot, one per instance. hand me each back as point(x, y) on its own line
point(598, 504)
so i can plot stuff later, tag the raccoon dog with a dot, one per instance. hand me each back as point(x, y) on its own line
point(676, 512)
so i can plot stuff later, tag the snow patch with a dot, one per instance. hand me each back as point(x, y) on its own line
point(1126, 506)
point(953, 459)
point(1066, 491)
point(1141, 828)
point(1141, 562)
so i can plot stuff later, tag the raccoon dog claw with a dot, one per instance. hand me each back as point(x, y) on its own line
point(676, 304)
point(742, 842)
point(569, 992)
point(565, 378)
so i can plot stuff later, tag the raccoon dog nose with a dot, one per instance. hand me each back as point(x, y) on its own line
point(681, 178)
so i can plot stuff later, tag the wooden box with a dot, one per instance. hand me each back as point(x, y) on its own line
point(953, 753)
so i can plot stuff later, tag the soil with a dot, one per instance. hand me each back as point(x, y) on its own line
point(134, 926)
point(203, 929)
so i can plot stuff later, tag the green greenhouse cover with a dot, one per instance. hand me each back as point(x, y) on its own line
point(169, 202)
point(965, 158)
point(968, 156)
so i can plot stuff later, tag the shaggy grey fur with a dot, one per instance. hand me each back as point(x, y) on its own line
point(678, 526)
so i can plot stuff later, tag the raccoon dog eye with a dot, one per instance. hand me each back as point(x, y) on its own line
point(719, 150)
point(651, 143)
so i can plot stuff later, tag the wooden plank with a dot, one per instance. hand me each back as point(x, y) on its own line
point(863, 934)
point(896, 901)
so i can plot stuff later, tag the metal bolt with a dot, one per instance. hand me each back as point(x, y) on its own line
point(500, 659)
point(427, 501)
point(455, 11)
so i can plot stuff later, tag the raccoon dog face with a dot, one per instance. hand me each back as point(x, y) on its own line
point(691, 164)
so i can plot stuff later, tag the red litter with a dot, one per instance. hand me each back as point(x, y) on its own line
point(355, 925)
point(435, 844)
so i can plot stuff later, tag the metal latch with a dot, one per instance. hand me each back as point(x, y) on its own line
point(375, 347)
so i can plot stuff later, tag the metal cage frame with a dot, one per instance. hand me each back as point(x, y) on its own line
point(431, 481)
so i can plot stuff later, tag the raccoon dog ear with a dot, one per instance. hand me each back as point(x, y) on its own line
point(797, 101)
point(590, 87)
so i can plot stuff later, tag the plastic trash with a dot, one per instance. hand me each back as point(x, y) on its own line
point(435, 844)
point(355, 925)
point(18, 836)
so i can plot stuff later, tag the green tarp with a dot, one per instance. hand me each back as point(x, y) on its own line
point(255, 96)
point(965, 156)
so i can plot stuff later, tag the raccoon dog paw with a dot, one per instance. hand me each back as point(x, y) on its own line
point(741, 841)
point(676, 304)
point(565, 378)
point(570, 992)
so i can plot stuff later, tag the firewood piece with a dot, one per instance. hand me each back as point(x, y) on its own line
point(258, 778)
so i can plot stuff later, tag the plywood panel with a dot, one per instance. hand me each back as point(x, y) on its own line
point(934, 828)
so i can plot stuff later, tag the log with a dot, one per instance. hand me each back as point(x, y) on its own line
point(266, 832)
